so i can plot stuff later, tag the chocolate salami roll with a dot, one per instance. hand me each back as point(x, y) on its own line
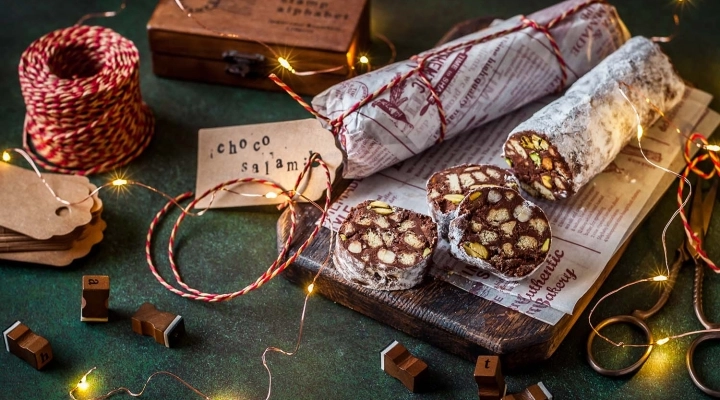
point(499, 231)
point(384, 247)
point(477, 78)
point(447, 188)
point(565, 144)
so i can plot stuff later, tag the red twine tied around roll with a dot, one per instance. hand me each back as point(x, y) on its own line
point(85, 114)
point(337, 123)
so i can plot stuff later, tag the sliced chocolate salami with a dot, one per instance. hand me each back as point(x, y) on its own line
point(447, 188)
point(499, 231)
point(384, 247)
point(564, 145)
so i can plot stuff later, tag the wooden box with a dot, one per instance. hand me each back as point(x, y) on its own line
point(239, 42)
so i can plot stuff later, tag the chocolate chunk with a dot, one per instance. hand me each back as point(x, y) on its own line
point(497, 230)
point(384, 247)
point(447, 188)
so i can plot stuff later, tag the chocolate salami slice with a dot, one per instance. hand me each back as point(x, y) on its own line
point(499, 231)
point(447, 188)
point(384, 247)
point(564, 145)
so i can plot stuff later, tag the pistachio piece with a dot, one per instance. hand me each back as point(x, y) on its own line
point(426, 252)
point(543, 144)
point(378, 203)
point(343, 237)
point(526, 142)
point(474, 195)
point(535, 158)
point(380, 207)
point(546, 246)
point(536, 141)
point(476, 250)
point(454, 198)
point(547, 181)
point(509, 162)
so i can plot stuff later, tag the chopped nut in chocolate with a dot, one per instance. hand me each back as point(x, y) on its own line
point(447, 188)
point(505, 235)
point(384, 247)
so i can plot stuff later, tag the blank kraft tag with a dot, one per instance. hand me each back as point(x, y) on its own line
point(29, 208)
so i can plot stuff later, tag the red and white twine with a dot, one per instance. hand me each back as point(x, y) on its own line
point(85, 114)
point(275, 268)
point(337, 123)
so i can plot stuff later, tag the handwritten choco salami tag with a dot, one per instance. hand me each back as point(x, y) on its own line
point(275, 151)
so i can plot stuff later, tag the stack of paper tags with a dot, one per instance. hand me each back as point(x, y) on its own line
point(36, 227)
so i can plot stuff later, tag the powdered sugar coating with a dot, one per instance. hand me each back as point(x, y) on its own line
point(592, 122)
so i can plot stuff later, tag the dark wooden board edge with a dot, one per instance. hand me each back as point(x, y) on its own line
point(422, 312)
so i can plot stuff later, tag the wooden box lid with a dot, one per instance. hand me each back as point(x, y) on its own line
point(317, 33)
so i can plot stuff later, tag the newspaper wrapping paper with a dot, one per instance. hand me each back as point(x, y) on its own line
point(476, 84)
point(588, 229)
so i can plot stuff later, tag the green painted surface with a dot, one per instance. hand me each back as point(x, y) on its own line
point(225, 250)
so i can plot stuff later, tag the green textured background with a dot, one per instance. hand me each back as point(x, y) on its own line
point(224, 250)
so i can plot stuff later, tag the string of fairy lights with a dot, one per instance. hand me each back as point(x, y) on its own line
point(292, 195)
point(698, 140)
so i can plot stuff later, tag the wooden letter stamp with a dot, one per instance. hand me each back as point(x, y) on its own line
point(32, 348)
point(534, 392)
point(165, 327)
point(397, 361)
point(489, 378)
point(95, 298)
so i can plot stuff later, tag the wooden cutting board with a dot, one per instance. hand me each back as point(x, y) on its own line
point(435, 311)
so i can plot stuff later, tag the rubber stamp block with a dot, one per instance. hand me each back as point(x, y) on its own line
point(95, 298)
point(397, 361)
point(489, 378)
point(164, 327)
point(26, 344)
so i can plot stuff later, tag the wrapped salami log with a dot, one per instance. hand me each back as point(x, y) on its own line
point(391, 114)
point(447, 188)
point(499, 231)
point(564, 145)
point(384, 247)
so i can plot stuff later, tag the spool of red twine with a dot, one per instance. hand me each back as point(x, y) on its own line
point(85, 114)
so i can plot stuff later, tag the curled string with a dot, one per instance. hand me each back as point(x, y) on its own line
point(275, 268)
point(337, 123)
